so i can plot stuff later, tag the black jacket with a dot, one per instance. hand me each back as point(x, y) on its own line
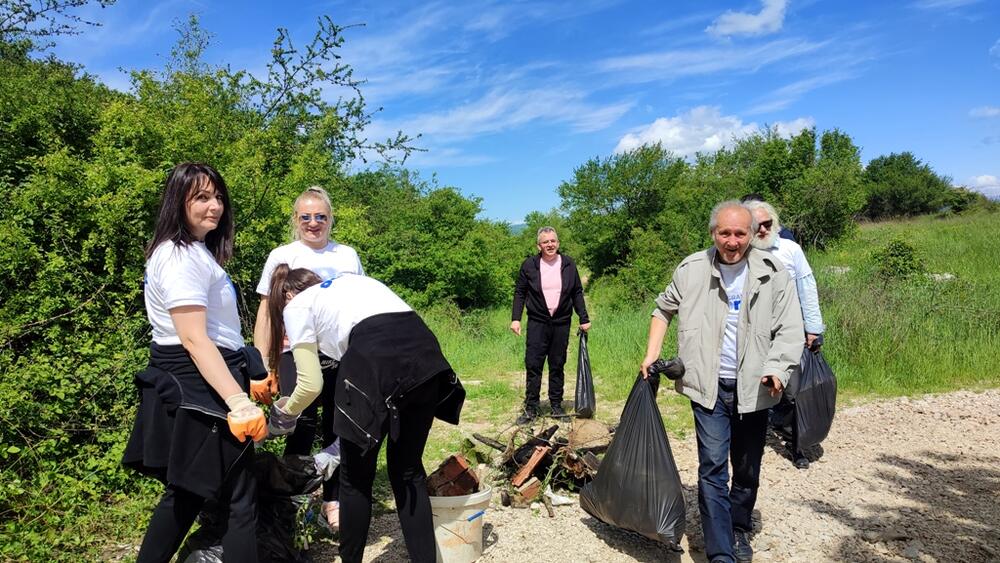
point(387, 356)
point(528, 291)
point(180, 435)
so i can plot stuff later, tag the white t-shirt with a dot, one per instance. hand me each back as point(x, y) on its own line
point(328, 262)
point(734, 277)
point(189, 275)
point(326, 313)
point(790, 254)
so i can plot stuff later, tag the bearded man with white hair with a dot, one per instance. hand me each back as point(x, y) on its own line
point(790, 254)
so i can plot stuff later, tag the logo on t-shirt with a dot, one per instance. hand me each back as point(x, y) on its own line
point(734, 302)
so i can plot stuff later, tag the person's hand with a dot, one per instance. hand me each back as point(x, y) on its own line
point(585, 327)
point(644, 366)
point(328, 459)
point(773, 384)
point(281, 422)
point(245, 419)
point(515, 327)
point(810, 338)
point(264, 390)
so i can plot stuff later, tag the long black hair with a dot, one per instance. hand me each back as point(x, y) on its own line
point(171, 223)
point(283, 279)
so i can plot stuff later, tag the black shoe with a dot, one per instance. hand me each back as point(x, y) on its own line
point(527, 416)
point(800, 461)
point(559, 412)
point(742, 550)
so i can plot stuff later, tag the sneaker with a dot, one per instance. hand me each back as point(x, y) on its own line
point(742, 550)
point(331, 513)
point(527, 416)
point(559, 412)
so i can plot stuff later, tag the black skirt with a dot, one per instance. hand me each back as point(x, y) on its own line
point(181, 436)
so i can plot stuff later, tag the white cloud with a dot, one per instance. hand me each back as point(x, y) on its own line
point(985, 111)
point(768, 20)
point(944, 4)
point(782, 97)
point(502, 109)
point(447, 156)
point(985, 181)
point(987, 184)
point(995, 53)
point(791, 128)
point(666, 65)
point(702, 129)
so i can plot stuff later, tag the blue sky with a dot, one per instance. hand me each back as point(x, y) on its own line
point(511, 96)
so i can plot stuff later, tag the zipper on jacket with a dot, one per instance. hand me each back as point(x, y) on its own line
point(367, 435)
point(348, 386)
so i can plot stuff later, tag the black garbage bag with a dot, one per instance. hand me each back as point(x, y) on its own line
point(283, 488)
point(637, 486)
point(586, 401)
point(815, 400)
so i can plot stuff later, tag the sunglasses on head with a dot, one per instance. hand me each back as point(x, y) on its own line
point(767, 224)
point(318, 217)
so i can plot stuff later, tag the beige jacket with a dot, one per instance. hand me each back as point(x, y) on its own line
point(770, 334)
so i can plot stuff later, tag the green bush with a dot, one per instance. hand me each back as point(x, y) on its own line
point(897, 260)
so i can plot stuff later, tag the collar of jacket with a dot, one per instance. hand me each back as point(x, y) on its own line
point(562, 265)
point(762, 264)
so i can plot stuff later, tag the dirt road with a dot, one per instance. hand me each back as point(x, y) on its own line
point(897, 480)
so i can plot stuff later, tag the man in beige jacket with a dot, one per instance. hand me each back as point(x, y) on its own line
point(739, 336)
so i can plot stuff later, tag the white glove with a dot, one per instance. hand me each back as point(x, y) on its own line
point(281, 422)
point(328, 459)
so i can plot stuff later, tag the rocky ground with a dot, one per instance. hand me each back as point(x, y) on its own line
point(896, 480)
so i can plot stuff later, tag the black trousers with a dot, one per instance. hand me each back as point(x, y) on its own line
point(545, 341)
point(406, 476)
point(178, 508)
point(300, 441)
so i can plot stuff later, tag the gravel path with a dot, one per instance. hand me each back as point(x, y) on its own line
point(897, 480)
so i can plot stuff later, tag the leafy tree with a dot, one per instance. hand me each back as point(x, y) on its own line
point(608, 198)
point(901, 185)
point(37, 21)
point(821, 204)
point(430, 246)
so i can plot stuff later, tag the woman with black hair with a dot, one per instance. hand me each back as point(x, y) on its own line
point(392, 382)
point(195, 425)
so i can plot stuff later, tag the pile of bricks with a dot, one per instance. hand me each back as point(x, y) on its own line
point(454, 477)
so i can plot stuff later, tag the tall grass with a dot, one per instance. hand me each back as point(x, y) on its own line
point(920, 334)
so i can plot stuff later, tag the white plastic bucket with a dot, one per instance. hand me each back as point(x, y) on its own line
point(458, 526)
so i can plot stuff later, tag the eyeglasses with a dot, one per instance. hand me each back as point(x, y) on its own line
point(318, 217)
point(767, 224)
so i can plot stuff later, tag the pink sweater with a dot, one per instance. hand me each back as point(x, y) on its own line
point(551, 274)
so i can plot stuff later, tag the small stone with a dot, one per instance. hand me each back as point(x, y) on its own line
point(913, 549)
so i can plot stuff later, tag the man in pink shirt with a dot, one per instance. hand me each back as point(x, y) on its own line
point(549, 286)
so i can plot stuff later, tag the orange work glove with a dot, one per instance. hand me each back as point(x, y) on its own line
point(264, 390)
point(246, 420)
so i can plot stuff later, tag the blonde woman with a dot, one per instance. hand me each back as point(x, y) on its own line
point(312, 249)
